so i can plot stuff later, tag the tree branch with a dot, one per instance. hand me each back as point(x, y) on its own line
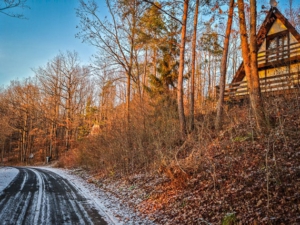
point(9, 4)
point(164, 11)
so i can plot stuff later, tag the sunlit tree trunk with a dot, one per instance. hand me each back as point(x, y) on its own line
point(154, 60)
point(250, 62)
point(223, 68)
point(257, 103)
point(181, 70)
point(145, 76)
point(192, 102)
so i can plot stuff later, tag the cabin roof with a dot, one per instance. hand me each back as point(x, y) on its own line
point(264, 29)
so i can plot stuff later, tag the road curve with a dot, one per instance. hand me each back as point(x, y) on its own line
point(39, 196)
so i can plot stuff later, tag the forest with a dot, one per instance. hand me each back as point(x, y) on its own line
point(153, 101)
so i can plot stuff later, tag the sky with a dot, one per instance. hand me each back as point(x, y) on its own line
point(49, 29)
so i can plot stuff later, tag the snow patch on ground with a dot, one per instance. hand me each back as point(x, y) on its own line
point(7, 174)
point(112, 209)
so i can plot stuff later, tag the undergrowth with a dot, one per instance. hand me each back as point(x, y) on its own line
point(210, 175)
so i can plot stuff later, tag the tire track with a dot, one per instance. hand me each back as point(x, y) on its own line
point(72, 202)
point(16, 201)
point(39, 207)
point(38, 196)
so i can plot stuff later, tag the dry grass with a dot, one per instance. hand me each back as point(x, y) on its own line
point(211, 175)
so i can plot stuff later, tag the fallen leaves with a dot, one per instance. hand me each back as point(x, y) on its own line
point(257, 178)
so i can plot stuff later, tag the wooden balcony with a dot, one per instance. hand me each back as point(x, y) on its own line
point(282, 82)
point(277, 83)
point(284, 55)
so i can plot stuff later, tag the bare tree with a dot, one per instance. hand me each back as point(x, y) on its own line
point(114, 38)
point(293, 14)
point(7, 5)
point(50, 83)
point(181, 70)
point(224, 66)
point(74, 81)
point(5, 128)
point(22, 104)
point(63, 83)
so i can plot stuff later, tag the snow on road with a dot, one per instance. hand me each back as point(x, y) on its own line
point(108, 206)
point(36, 196)
point(111, 209)
point(7, 174)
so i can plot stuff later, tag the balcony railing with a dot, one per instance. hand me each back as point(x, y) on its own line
point(280, 54)
point(272, 58)
point(274, 83)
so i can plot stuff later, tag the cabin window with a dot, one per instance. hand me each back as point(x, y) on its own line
point(277, 46)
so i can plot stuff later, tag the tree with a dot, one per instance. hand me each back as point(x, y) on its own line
point(181, 70)
point(223, 68)
point(50, 83)
point(150, 32)
point(7, 5)
point(293, 14)
point(22, 100)
point(114, 38)
point(249, 53)
point(63, 83)
point(6, 128)
point(74, 85)
point(194, 40)
point(180, 93)
point(166, 77)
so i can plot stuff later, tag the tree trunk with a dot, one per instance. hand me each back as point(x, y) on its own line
point(128, 100)
point(2, 152)
point(181, 69)
point(192, 103)
point(251, 66)
point(144, 81)
point(154, 61)
point(209, 75)
point(257, 103)
point(220, 105)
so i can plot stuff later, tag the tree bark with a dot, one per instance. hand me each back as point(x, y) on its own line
point(145, 77)
point(218, 123)
point(250, 63)
point(128, 100)
point(257, 103)
point(181, 69)
point(2, 152)
point(192, 103)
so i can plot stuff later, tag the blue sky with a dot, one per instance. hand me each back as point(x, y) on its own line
point(50, 27)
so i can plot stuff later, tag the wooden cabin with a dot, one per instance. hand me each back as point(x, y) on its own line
point(278, 59)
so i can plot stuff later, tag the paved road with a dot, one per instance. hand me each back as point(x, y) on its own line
point(38, 196)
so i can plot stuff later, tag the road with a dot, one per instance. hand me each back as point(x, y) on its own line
point(38, 196)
